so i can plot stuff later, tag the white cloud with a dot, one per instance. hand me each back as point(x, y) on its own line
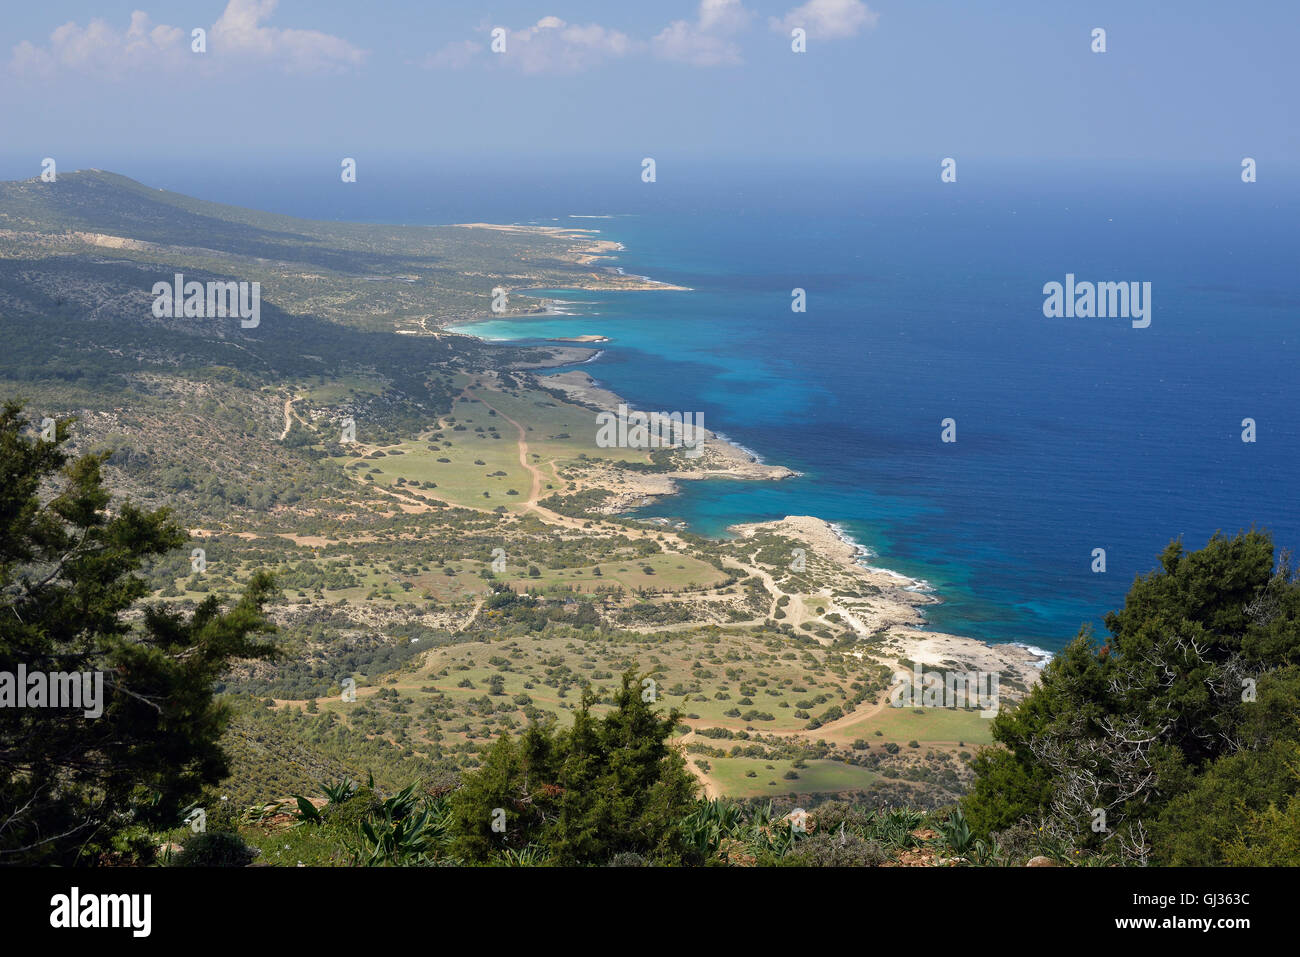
point(682, 41)
point(723, 15)
point(100, 49)
point(240, 31)
point(827, 19)
point(704, 42)
point(549, 46)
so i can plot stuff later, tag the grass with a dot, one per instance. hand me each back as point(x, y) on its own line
point(481, 450)
point(817, 777)
point(901, 725)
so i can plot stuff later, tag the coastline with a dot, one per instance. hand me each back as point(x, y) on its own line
point(587, 250)
point(720, 458)
point(892, 616)
point(899, 599)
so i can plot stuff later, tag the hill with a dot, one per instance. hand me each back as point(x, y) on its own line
point(448, 533)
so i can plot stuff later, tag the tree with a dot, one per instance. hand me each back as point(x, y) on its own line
point(606, 786)
point(1141, 745)
point(70, 784)
point(1270, 837)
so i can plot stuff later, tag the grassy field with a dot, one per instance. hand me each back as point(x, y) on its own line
point(901, 725)
point(555, 430)
point(481, 471)
point(734, 775)
point(336, 390)
point(473, 459)
point(761, 686)
point(662, 572)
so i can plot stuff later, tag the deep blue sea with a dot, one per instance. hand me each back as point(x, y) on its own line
point(924, 301)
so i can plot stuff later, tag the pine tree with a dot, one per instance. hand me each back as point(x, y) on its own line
point(69, 783)
point(1185, 711)
point(606, 786)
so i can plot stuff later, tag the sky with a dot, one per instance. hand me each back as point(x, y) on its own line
point(105, 83)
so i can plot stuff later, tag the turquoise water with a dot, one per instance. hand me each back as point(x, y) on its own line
point(925, 302)
point(1072, 434)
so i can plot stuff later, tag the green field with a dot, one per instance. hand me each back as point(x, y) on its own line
point(901, 725)
point(474, 458)
point(817, 777)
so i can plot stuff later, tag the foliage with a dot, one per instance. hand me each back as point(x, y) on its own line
point(1139, 747)
point(606, 786)
point(214, 849)
point(406, 829)
point(68, 560)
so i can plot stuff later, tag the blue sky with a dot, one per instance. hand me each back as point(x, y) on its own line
point(95, 84)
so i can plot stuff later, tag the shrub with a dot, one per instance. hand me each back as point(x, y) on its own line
point(836, 849)
point(214, 849)
point(628, 859)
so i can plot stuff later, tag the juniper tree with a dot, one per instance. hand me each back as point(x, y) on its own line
point(606, 786)
point(1152, 743)
point(70, 590)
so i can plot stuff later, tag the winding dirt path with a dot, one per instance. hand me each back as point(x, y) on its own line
point(710, 786)
point(288, 418)
point(534, 493)
point(478, 604)
point(797, 610)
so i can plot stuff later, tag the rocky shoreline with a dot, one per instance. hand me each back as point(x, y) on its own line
point(895, 610)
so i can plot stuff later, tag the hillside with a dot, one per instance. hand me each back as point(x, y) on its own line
point(387, 546)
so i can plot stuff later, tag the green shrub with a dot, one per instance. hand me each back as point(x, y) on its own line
point(214, 849)
point(836, 849)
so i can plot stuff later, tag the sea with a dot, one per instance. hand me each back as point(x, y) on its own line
point(923, 312)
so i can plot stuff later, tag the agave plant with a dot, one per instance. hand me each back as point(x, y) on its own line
point(771, 831)
point(341, 792)
point(406, 829)
point(988, 854)
point(711, 822)
point(306, 812)
point(260, 812)
point(529, 856)
point(400, 805)
point(957, 833)
point(894, 827)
